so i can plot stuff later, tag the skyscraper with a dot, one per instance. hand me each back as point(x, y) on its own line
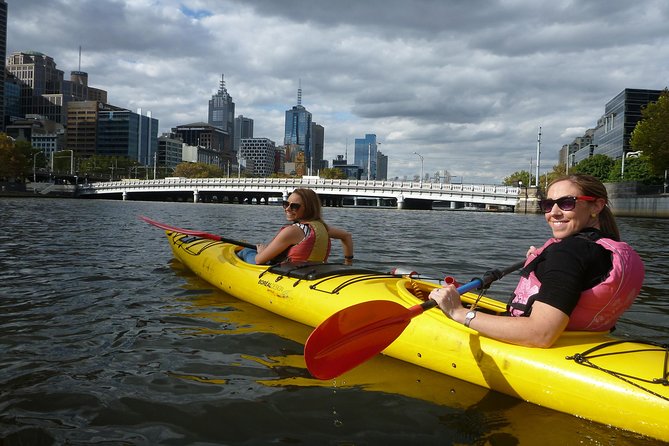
point(317, 144)
point(222, 114)
point(365, 156)
point(297, 137)
point(243, 130)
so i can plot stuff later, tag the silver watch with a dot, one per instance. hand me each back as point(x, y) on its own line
point(469, 317)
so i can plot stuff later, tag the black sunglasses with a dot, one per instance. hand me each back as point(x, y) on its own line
point(566, 203)
point(292, 206)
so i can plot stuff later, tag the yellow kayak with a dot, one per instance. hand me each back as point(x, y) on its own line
point(591, 375)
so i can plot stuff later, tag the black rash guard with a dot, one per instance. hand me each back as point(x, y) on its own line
point(567, 268)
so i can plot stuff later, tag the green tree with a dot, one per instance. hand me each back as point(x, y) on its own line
point(12, 160)
point(599, 166)
point(333, 173)
point(512, 180)
point(636, 169)
point(198, 170)
point(651, 134)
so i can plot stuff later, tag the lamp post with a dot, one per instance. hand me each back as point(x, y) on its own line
point(420, 183)
point(34, 169)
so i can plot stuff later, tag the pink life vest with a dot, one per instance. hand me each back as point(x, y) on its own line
point(314, 248)
point(599, 307)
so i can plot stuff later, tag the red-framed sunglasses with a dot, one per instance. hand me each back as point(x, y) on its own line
point(566, 203)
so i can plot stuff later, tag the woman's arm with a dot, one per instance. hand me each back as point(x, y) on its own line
point(292, 235)
point(541, 329)
point(346, 240)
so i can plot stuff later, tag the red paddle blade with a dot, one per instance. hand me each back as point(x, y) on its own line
point(355, 334)
point(167, 227)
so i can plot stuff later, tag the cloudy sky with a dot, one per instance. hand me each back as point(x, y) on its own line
point(465, 83)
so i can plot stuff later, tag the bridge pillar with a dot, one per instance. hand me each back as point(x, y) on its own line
point(400, 202)
point(124, 195)
point(195, 196)
point(355, 201)
point(378, 202)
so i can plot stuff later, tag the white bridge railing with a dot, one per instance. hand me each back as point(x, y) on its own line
point(400, 190)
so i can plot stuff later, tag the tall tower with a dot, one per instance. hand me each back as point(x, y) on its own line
point(3, 55)
point(222, 114)
point(297, 137)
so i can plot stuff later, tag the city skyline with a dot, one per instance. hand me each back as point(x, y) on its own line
point(464, 85)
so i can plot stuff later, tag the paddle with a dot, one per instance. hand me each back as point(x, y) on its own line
point(196, 233)
point(355, 334)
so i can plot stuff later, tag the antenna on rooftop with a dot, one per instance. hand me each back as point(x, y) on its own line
point(299, 93)
point(79, 57)
point(222, 84)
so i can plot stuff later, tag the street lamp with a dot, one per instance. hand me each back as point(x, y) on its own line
point(421, 168)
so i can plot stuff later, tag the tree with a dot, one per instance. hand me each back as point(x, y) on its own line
point(333, 173)
point(636, 169)
point(512, 180)
point(651, 134)
point(599, 166)
point(12, 159)
point(198, 170)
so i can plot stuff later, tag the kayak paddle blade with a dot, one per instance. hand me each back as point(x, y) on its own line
point(353, 335)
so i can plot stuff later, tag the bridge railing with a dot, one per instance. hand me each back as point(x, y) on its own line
point(305, 182)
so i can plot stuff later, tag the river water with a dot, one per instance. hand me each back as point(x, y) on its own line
point(106, 340)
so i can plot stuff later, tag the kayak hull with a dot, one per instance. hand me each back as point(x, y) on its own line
point(613, 385)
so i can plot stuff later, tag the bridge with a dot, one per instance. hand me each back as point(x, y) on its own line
point(403, 195)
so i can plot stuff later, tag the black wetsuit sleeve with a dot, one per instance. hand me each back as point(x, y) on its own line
point(569, 268)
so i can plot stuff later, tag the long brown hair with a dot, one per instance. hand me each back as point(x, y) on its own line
point(311, 204)
point(591, 186)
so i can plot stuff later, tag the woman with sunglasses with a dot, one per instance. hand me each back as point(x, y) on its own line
point(306, 239)
point(583, 278)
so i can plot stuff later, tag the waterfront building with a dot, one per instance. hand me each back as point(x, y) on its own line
point(365, 156)
point(243, 130)
point(621, 114)
point(352, 171)
point(123, 133)
point(259, 156)
point(81, 134)
point(222, 114)
point(200, 154)
point(212, 138)
point(170, 153)
point(297, 138)
point(317, 144)
point(381, 166)
point(3, 55)
point(39, 78)
point(43, 88)
point(96, 128)
point(44, 135)
point(12, 100)
point(580, 148)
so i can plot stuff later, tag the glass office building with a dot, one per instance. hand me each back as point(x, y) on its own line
point(365, 156)
point(621, 114)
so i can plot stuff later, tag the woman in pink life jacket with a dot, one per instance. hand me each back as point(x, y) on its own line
point(305, 239)
point(583, 278)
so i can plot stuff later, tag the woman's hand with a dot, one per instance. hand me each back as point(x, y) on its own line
point(449, 301)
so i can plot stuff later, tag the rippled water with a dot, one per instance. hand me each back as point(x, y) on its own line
point(104, 339)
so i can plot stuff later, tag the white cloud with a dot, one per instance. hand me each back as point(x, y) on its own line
point(466, 84)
